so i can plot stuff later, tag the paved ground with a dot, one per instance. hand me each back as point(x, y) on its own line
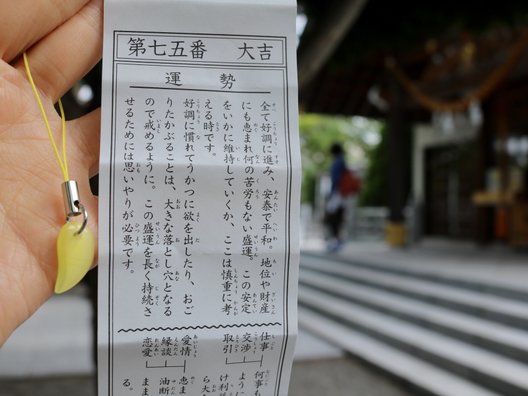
point(43, 364)
point(335, 377)
point(342, 377)
point(58, 361)
point(72, 386)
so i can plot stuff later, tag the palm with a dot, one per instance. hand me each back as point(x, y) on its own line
point(31, 210)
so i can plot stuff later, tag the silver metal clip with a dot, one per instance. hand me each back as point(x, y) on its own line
point(72, 203)
point(70, 193)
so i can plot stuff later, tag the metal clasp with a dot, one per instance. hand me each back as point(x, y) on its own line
point(72, 203)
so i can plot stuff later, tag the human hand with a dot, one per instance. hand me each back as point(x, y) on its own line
point(63, 41)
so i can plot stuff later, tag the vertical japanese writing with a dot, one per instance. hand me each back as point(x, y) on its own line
point(191, 116)
point(129, 169)
point(202, 201)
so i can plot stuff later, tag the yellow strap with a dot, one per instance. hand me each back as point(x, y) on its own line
point(63, 163)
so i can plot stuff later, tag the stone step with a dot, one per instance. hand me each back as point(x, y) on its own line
point(507, 311)
point(417, 372)
point(481, 278)
point(494, 371)
point(499, 338)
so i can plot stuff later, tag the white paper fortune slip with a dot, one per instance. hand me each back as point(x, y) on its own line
point(199, 198)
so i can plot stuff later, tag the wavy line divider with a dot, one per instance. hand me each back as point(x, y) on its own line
point(200, 327)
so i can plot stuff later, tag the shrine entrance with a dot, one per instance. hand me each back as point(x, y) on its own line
point(449, 185)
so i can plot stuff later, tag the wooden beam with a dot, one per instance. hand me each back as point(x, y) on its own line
point(330, 34)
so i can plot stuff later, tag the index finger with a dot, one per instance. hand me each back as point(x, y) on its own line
point(24, 22)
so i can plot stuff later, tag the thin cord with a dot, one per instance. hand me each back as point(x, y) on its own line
point(63, 163)
point(63, 127)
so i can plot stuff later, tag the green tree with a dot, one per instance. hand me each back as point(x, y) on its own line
point(358, 136)
point(374, 186)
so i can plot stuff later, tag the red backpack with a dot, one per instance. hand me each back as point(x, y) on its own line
point(349, 183)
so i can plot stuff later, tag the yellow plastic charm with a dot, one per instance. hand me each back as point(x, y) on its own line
point(75, 244)
point(75, 255)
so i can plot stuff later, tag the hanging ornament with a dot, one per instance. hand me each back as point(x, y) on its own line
point(75, 242)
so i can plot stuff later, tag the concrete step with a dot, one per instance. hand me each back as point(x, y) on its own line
point(496, 372)
point(415, 371)
point(481, 278)
point(507, 311)
point(499, 338)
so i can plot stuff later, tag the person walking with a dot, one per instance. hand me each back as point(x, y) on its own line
point(344, 185)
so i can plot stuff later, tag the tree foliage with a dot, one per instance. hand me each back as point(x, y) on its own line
point(374, 188)
point(318, 132)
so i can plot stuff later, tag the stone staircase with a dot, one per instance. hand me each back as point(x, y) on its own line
point(443, 335)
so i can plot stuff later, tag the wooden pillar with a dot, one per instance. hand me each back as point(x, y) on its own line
point(397, 169)
point(502, 210)
point(484, 225)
